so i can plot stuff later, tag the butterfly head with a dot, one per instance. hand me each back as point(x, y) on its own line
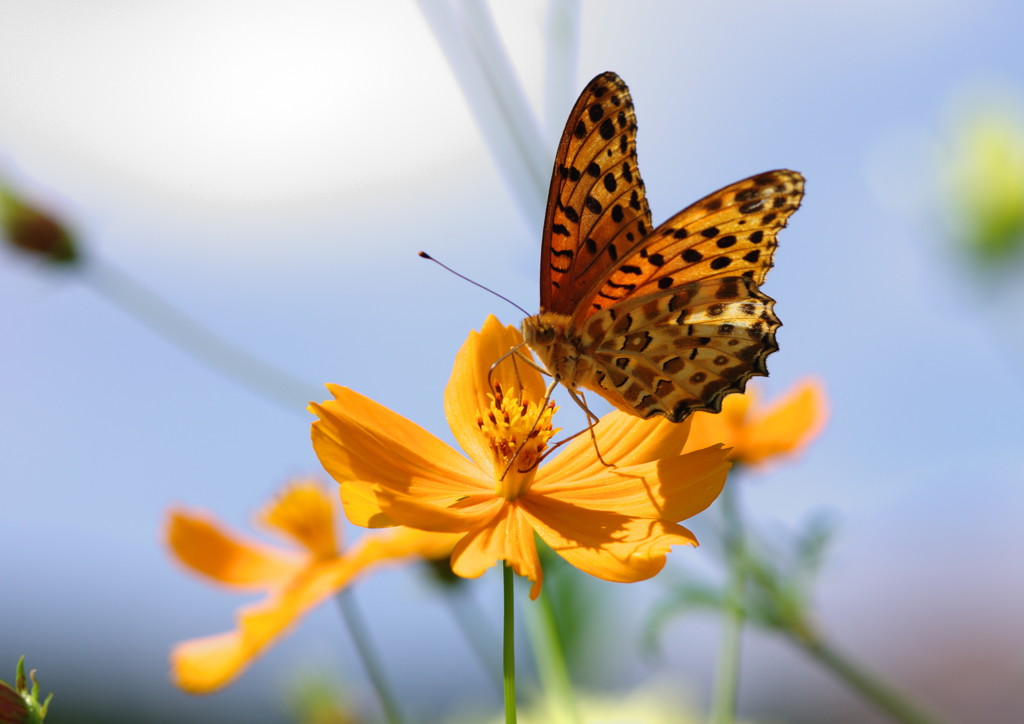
point(547, 335)
point(539, 332)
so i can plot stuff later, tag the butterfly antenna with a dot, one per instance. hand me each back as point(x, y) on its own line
point(425, 255)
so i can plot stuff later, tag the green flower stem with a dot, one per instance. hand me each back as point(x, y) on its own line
point(197, 340)
point(723, 704)
point(887, 699)
point(509, 653)
point(357, 630)
point(549, 653)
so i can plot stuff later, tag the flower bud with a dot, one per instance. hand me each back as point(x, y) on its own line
point(18, 705)
point(35, 231)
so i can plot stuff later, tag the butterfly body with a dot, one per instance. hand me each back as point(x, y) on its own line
point(658, 321)
point(560, 348)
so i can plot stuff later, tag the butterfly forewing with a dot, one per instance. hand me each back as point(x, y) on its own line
point(597, 212)
point(731, 232)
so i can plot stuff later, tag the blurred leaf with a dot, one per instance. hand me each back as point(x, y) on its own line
point(813, 541)
point(779, 587)
point(685, 597)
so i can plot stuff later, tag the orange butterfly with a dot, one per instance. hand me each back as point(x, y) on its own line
point(658, 321)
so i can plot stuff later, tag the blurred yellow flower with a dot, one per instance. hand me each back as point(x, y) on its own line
point(614, 523)
point(295, 579)
point(759, 433)
point(982, 175)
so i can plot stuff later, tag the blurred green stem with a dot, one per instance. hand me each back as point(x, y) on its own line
point(470, 623)
point(561, 51)
point(884, 697)
point(197, 340)
point(358, 631)
point(723, 704)
point(509, 645)
point(549, 653)
point(476, 55)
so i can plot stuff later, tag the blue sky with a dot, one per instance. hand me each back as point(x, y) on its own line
point(274, 168)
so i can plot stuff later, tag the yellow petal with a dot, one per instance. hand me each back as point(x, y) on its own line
point(198, 541)
point(201, 666)
point(361, 506)
point(466, 396)
point(623, 440)
point(759, 433)
point(361, 443)
point(509, 537)
point(204, 665)
point(672, 489)
point(417, 512)
point(305, 514)
point(607, 545)
point(727, 427)
point(737, 408)
point(788, 424)
point(400, 543)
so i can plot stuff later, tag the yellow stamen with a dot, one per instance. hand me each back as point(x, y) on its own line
point(518, 431)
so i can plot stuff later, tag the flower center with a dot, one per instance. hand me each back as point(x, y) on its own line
point(517, 430)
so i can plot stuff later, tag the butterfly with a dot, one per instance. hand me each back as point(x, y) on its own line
point(663, 320)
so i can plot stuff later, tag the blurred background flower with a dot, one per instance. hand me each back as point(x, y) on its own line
point(759, 432)
point(293, 580)
point(982, 179)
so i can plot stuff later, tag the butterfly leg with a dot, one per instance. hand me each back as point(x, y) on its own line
point(577, 397)
point(522, 357)
point(592, 420)
point(515, 355)
point(511, 353)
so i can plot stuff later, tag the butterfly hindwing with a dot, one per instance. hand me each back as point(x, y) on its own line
point(731, 232)
point(679, 352)
point(597, 210)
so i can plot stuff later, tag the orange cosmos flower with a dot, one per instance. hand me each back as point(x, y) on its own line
point(614, 523)
point(760, 433)
point(295, 579)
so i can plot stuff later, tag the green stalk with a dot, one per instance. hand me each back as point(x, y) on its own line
point(509, 654)
point(197, 340)
point(477, 58)
point(549, 653)
point(884, 697)
point(357, 629)
point(723, 704)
